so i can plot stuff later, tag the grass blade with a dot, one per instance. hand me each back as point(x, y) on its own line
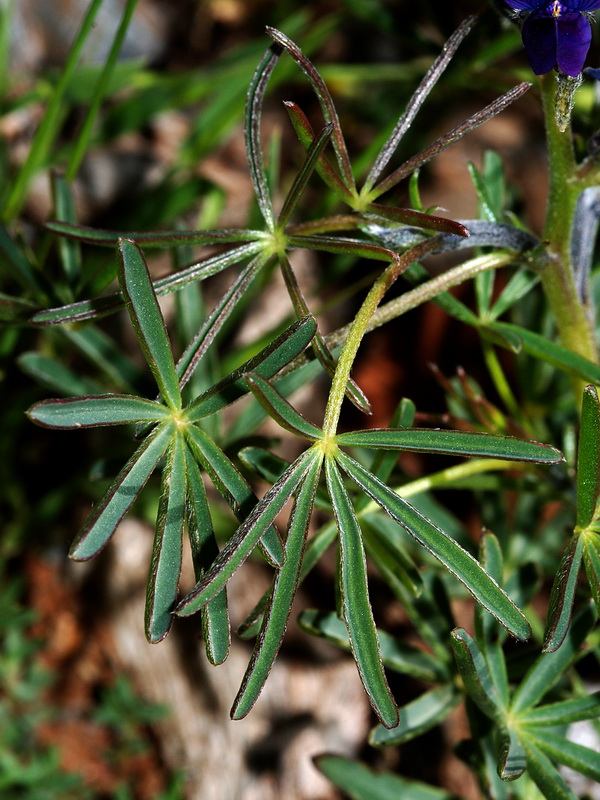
point(356, 606)
point(130, 481)
point(456, 560)
point(148, 321)
point(165, 566)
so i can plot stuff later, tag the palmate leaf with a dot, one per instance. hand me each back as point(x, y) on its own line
point(356, 606)
point(165, 566)
point(591, 559)
point(564, 712)
point(562, 597)
point(282, 596)
point(147, 321)
point(456, 560)
point(544, 774)
point(476, 675)
point(105, 517)
point(548, 667)
point(573, 755)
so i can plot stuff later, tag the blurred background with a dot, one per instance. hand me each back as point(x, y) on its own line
point(87, 708)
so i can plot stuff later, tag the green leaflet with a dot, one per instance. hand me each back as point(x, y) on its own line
point(130, 481)
point(460, 563)
point(355, 602)
point(89, 412)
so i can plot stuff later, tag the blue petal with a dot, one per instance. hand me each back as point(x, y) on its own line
point(581, 5)
point(573, 39)
point(528, 5)
point(540, 41)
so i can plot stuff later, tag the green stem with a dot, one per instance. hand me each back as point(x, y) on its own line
point(573, 317)
point(359, 327)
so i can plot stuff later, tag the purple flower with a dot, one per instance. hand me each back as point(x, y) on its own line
point(556, 34)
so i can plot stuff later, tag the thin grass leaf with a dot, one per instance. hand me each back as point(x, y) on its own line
point(322, 352)
point(562, 597)
point(15, 263)
point(165, 565)
point(548, 667)
point(106, 356)
point(417, 717)
point(53, 114)
point(281, 351)
point(459, 443)
point(239, 546)
point(325, 101)
point(217, 318)
point(282, 596)
point(72, 413)
point(233, 487)
point(301, 180)
point(151, 239)
point(306, 135)
point(539, 347)
point(85, 133)
point(396, 655)
point(452, 556)
point(564, 712)
point(362, 783)
point(448, 139)
point(254, 103)
point(14, 309)
point(216, 629)
point(280, 410)
point(588, 458)
point(147, 321)
point(108, 304)
point(576, 756)
point(417, 99)
point(543, 773)
point(130, 481)
point(70, 251)
point(475, 675)
point(356, 606)
point(55, 376)
point(512, 761)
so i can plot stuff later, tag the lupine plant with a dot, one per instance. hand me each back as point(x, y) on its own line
point(534, 299)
